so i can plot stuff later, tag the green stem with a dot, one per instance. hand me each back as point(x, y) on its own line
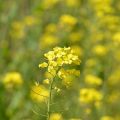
point(50, 95)
point(49, 99)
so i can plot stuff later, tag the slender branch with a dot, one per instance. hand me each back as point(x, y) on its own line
point(49, 99)
point(50, 95)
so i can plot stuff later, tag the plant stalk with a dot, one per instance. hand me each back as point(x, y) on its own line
point(49, 99)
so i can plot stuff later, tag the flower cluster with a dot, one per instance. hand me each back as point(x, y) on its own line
point(58, 58)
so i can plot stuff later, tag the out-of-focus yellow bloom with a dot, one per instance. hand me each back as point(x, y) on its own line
point(101, 7)
point(51, 28)
point(75, 36)
point(90, 95)
point(49, 3)
point(100, 50)
point(116, 38)
point(88, 110)
point(91, 62)
point(72, 3)
point(110, 21)
point(77, 50)
point(48, 40)
point(39, 93)
point(68, 20)
point(17, 30)
point(12, 79)
point(30, 20)
point(107, 118)
point(56, 116)
point(92, 80)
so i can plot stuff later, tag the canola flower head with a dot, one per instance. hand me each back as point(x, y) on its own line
point(107, 118)
point(56, 116)
point(56, 60)
point(68, 20)
point(93, 80)
point(90, 95)
point(59, 57)
point(100, 50)
point(72, 3)
point(12, 79)
point(39, 93)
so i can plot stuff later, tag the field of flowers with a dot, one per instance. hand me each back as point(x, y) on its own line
point(59, 59)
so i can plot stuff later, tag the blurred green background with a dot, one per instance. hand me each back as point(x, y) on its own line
point(30, 28)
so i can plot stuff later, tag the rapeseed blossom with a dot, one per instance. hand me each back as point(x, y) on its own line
point(39, 93)
point(12, 79)
point(56, 116)
point(107, 118)
point(90, 95)
point(59, 57)
point(93, 80)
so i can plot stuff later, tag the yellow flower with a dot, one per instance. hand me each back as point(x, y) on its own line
point(92, 80)
point(51, 28)
point(49, 3)
point(46, 81)
point(68, 81)
point(75, 36)
point(100, 50)
point(39, 93)
point(30, 20)
point(48, 40)
point(91, 62)
point(42, 65)
point(18, 30)
point(12, 79)
point(116, 38)
point(78, 50)
point(68, 20)
point(50, 55)
point(59, 57)
point(72, 3)
point(56, 116)
point(90, 95)
point(107, 118)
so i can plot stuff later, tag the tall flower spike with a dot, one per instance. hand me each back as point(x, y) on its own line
point(56, 59)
